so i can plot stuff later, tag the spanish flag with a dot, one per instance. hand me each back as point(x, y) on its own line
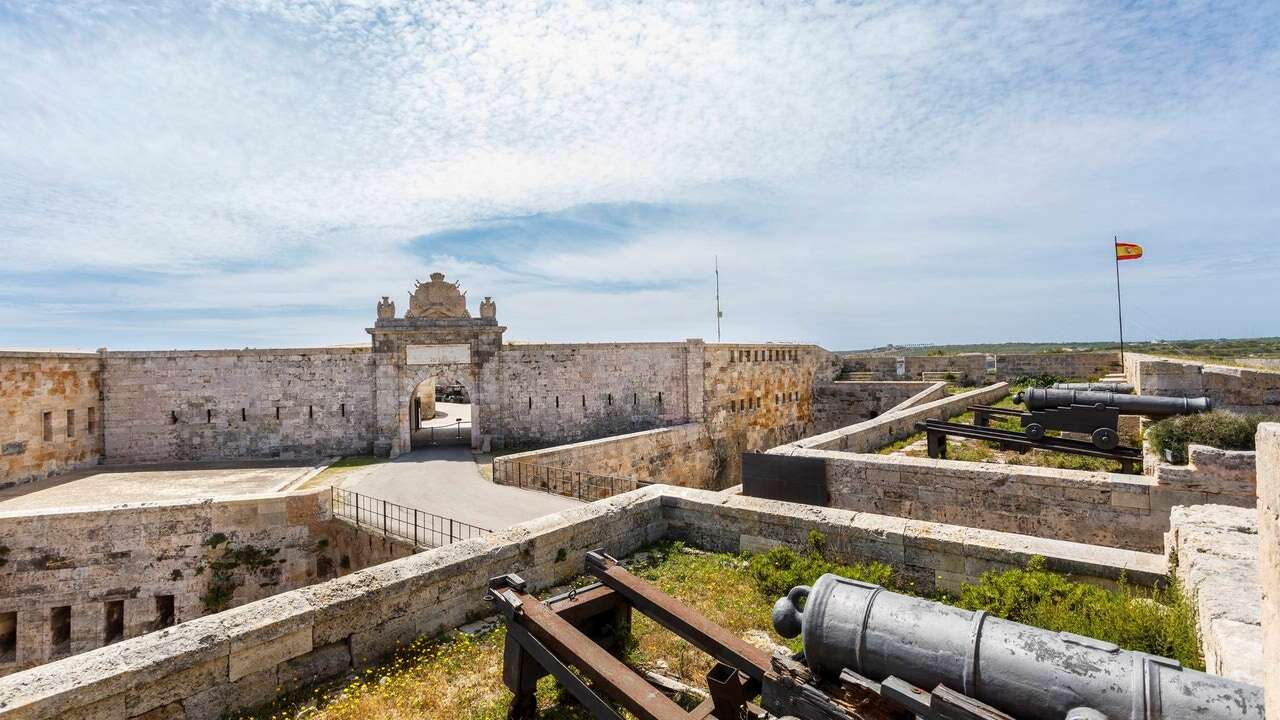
point(1128, 251)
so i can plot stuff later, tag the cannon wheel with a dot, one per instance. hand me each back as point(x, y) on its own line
point(1035, 431)
point(1106, 439)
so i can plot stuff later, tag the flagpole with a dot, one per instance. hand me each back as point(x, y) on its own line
point(1115, 243)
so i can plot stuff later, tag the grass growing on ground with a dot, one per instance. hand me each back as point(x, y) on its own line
point(1228, 431)
point(335, 472)
point(459, 676)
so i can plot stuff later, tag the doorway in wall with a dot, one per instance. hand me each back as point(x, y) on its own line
point(440, 413)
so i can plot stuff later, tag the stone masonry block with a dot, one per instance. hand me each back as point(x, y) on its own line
point(251, 659)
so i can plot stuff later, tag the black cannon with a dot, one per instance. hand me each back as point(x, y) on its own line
point(1096, 414)
point(1115, 387)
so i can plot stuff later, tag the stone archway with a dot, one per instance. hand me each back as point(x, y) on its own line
point(442, 375)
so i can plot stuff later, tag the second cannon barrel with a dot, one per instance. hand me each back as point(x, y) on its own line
point(1149, 405)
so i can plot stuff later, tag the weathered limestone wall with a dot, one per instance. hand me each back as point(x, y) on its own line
point(242, 658)
point(873, 434)
point(967, 367)
point(972, 367)
point(931, 555)
point(1123, 511)
point(1076, 365)
point(759, 396)
point(882, 367)
point(50, 414)
point(1216, 548)
point(86, 559)
point(1220, 477)
point(1268, 446)
point(572, 392)
point(217, 404)
point(1237, 389)
point(679, 455)
point(842, 403)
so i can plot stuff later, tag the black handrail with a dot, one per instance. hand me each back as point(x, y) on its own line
point(419, 527)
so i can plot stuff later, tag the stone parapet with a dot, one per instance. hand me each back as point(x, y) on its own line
point(1238, 389)
point(872, 434)
point(1216, 547)
point(1226, 477)
point(1268, 447)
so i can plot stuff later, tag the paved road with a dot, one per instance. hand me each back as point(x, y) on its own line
point(445, 480)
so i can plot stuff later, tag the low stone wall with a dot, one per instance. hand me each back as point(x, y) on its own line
point(1216, 547)
point(872, 434)
point(50, 414)
point(680, 455)
point(243, 657)
point(70, 574)
point(1236, 389)
point(967, 367)
point(1123, 511)
point(1268, 448)
point(1070, 365)
point(1222, 477)
point(842, 403)
point(882, 367)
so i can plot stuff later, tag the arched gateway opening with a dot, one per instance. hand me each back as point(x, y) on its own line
point(440, 413)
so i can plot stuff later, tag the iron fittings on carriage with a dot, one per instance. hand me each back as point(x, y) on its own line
point(1027, 672)
point(1149, 405)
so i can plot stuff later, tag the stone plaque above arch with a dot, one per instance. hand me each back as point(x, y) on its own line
point(437, 354)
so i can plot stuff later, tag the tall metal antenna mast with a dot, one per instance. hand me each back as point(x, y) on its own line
point(718, 313)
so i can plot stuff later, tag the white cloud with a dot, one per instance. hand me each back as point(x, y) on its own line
point(881, 145)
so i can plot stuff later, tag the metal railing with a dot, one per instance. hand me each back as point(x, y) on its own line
point(392, 520)
point(578, 484)
point(457, 433)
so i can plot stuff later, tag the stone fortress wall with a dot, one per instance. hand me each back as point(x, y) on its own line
point(51, 413)
point(220, 404)
point(979, 367)
point(75, 579)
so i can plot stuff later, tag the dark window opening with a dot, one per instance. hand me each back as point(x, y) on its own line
point(557, 401)
point(659, 397)
point(208, 416)
point(244, 415)
point(46, 420)
point(635, 398)
point(610, 398)
point(8, 636)
point(60, 629)
point(113, 622)
point(731, 354)
point(92, 415)
point(342, 408)
point(584, 401)
point(311, 412)
point(530, 402)
point(277, 412)
point(165, 616)
point(71, 423)
point(173, 417)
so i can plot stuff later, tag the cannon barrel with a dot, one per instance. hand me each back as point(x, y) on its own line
point(1030, 673)
point(1114, 387)
point(1149, 405)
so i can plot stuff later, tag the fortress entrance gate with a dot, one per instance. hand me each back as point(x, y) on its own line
point(437, 337)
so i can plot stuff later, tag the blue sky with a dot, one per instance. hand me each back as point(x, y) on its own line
point(260, 172)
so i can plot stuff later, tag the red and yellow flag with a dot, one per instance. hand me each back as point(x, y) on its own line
point(1128, 251)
